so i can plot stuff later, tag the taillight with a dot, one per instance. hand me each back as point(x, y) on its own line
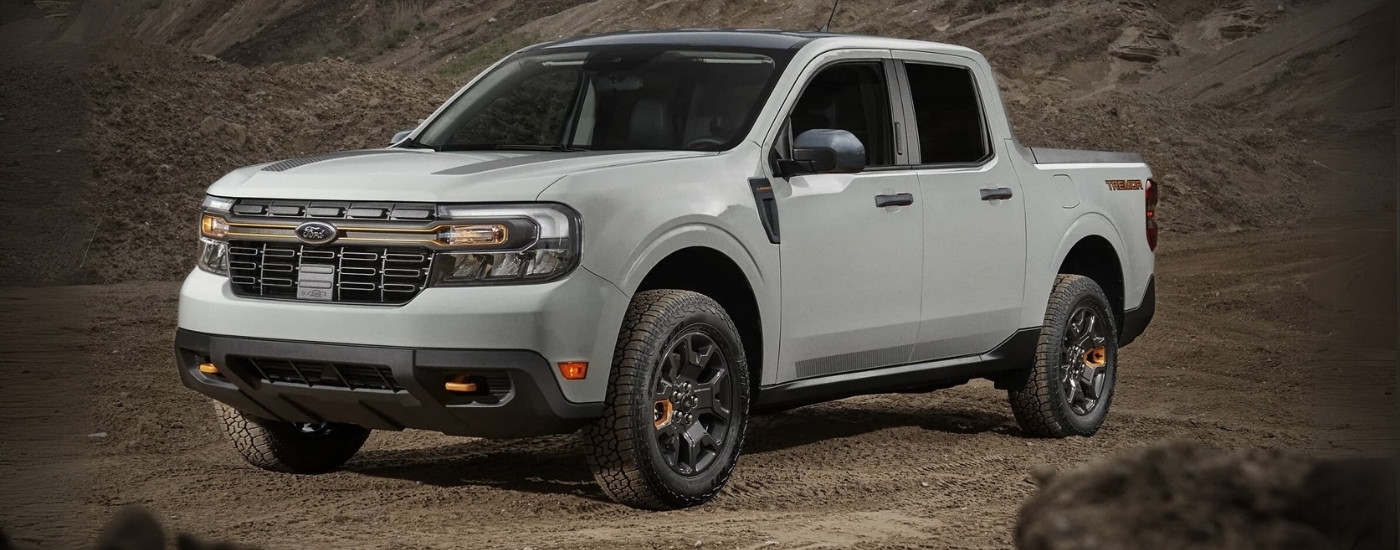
point(1152, 190)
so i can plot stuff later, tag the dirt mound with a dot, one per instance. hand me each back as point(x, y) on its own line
point(1185, 495)
point(388, 33)
point(1220, 170)
point(166, 124)
point(1235, 145)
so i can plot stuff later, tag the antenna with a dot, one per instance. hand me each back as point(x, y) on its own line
point(827, 26)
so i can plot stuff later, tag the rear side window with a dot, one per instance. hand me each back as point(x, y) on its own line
point(948, 114)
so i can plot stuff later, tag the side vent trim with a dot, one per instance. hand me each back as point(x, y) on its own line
point(767, 207)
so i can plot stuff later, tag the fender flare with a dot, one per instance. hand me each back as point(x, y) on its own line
point(1088, 225)
point(688, 234)
point(1092, 224)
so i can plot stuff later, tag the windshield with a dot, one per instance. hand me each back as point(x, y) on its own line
point(638, 97)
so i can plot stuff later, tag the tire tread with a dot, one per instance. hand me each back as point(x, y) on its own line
point(277, 446)
point(618, 459)
point(1035, 406)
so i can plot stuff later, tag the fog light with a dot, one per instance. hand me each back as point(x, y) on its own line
point(574, 370)
point(208, 368)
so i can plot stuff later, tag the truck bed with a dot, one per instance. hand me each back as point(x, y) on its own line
point(1044, 155)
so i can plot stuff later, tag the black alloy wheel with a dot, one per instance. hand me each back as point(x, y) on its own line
point(1084, 367)
point(693, 403)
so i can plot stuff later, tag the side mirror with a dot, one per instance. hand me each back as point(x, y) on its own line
point(824, 152)
point(399, 137)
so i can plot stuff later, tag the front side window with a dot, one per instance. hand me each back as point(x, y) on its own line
point(851, 97)
point(948, 114)
point(633, 98)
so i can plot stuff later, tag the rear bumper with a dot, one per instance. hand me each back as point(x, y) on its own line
point(1135, 321)
point(396, 388)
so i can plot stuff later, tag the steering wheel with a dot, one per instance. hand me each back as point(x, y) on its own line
point(704, 140)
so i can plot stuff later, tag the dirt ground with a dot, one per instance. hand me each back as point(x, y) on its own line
point(1276, 282)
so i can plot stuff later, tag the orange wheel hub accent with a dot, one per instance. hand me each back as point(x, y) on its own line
point(1096, 356)
point(664, 408)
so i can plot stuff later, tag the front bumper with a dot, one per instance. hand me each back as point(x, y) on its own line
point(572, 319)
point(525, 399)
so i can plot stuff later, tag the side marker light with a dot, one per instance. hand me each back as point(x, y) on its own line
point(574, 370)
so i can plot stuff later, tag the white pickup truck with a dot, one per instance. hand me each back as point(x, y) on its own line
point(651, 236)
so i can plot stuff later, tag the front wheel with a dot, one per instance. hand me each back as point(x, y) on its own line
point(290, 447)
point(1076, 364)
point(677, 403)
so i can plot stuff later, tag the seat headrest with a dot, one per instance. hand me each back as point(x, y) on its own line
point(651, 124)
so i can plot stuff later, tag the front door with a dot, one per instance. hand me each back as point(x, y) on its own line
point(851, 269)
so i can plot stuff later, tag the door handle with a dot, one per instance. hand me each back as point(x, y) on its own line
point(899, 199)
point(996, 194)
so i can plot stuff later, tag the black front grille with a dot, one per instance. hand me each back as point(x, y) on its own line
point(312, 374)
point(343, 210)
point(354, 274)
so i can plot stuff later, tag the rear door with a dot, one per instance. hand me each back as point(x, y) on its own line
point(974, 219)
point(851, 270)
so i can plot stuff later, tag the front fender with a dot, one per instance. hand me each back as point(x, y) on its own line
point(687, 234)
point(636, 216)
point(700, 234)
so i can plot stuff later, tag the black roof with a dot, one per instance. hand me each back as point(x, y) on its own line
point(767, 39)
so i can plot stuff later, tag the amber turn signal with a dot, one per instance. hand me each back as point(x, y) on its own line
point(574, 370)
point(208, 368)
point(459, 384)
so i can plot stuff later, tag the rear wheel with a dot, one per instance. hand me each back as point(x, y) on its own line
point(677, 403)
point(291, 447)
point(1076, 364)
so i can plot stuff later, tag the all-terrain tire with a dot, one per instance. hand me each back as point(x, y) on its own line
point(622, 447)
point(1041, 406)
point(288, 447)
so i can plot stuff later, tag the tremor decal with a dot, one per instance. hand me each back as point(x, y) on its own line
point(1124, 185)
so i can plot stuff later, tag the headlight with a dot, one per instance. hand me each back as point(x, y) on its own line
point(213, 227)
point(547, 249)
point(213, 251)
point(213, 256)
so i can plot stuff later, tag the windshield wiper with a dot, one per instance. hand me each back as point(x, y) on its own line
point(413, 143)
point(557, 147)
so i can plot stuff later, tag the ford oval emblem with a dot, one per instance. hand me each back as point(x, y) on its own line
point(316, 233)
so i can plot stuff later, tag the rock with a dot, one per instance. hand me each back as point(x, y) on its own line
point(1185, 495)
point(133, 528)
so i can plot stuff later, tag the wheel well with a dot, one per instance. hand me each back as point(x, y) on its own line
point(709, 272)
point(1094, 257)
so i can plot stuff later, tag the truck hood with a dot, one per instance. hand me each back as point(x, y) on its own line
point(414, 175)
